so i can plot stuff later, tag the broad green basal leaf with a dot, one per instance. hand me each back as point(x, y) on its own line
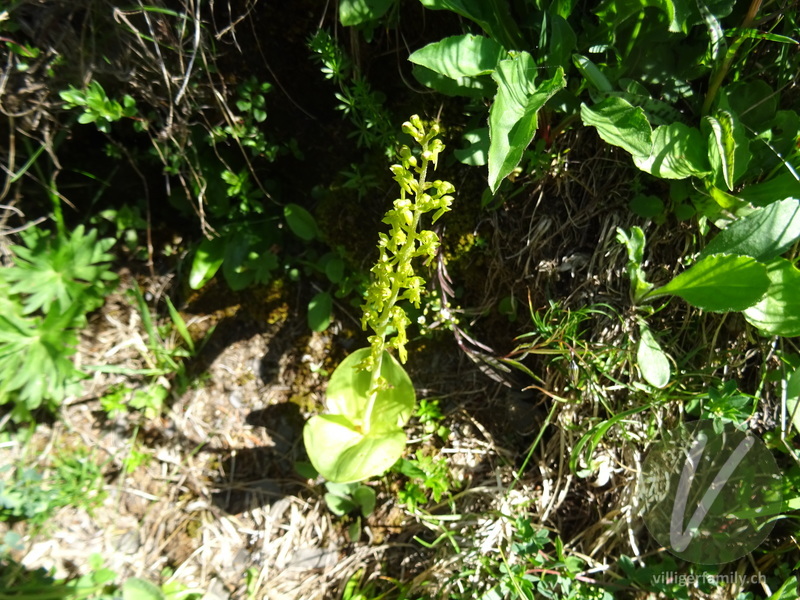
point(764, 234)
point(460, 56)
point(342, 453)
point(348, 388)
point(513, 117)
point(678, 151)
point(621, 124)
point(719, 283)
point(778, 313)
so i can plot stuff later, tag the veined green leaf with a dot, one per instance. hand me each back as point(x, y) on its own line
point(678, 151)
point(783, 185)
point(348, 388)
point(764, 234)
point(778, 313)
point(621, 124)
point(342, 453)
point(460, 56)
point(719, 283)
point(513, 117)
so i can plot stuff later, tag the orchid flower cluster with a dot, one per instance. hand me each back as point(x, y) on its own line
point(394, 278)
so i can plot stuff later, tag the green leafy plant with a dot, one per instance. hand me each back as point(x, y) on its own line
point(33, 496)
point(429, 479)
point(363, 106)
point(97, 107)
point(370, 396)
point(45, 296)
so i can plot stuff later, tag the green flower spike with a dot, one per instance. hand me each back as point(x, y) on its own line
point(370, 396)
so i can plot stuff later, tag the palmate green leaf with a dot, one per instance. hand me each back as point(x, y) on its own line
point(719, 283)
point(678, 151)
point(778, 313)
point(764, 234)
point(513, 118)
point(460, 56)
point(54, 271)
point(621, 124)
point(651, 360)
point(341, 452)
point(35, 364)
point(348, 388)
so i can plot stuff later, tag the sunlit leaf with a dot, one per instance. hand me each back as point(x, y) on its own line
point(719, 283)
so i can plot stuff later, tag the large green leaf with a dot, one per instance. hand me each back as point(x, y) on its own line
point(764, 234)
point(207, 261)
point(719, 283)
point(471, 87)
point(783, 185)
point(621, 124)
point(678, 151)
point(513, 117)
point(347, 392)
point(778, 313)
point(493, 16)
point(341, 452)
point(357, 12)
point(460, 56)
